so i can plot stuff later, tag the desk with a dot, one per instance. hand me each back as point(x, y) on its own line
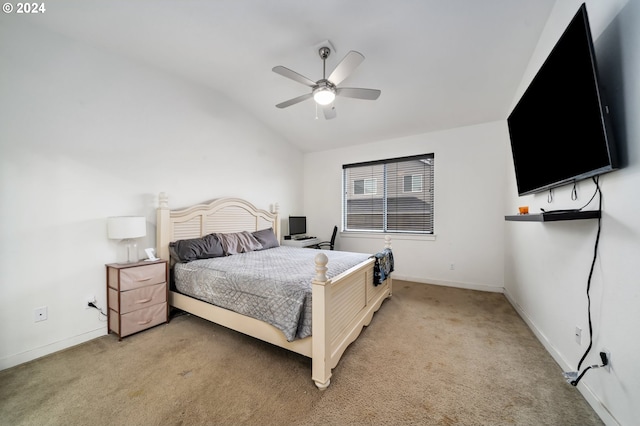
point(301, 243)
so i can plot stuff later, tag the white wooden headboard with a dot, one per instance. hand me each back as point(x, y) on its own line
point(220, 215)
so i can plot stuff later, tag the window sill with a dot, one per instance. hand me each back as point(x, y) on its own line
point(394, 236)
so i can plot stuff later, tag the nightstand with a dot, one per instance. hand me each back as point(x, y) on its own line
point(137, 295)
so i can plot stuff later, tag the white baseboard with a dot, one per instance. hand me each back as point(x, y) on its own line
point(468, 286)
point(30, 355)
point(588, 394)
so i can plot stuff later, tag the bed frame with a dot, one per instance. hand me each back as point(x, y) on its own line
point(341, 306)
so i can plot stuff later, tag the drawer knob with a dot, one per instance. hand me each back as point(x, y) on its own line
point(144, 279)
point(144, 322)
point(141, 301)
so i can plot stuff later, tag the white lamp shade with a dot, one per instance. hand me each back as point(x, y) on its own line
point(124, 227)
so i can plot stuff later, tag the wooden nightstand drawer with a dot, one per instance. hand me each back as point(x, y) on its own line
point(138, 320)
point(137, 299)
point(140, 276)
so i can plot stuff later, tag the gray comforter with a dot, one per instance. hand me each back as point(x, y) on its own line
point(271, 285)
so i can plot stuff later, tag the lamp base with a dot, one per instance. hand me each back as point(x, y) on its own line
point(132, 250)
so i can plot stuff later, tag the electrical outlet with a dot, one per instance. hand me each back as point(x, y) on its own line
point(40, 314)
point(608, 355)
point(452, 266)
point(578, 335)
point(90, 299)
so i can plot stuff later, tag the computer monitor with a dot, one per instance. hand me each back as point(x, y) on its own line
point(297, 225)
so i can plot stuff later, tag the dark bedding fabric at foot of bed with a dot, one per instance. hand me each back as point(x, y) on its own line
point(383, 266)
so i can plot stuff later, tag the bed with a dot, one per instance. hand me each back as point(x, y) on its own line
point(341, 305)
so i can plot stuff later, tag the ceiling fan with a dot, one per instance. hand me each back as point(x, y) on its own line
point(325, 90)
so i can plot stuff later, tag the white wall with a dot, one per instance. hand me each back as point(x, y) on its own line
point(547, 265)
point(469, 191)
point(85, 135)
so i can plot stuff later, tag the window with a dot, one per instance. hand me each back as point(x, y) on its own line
point(394, 195)
point(413, 183)
point(364, 186)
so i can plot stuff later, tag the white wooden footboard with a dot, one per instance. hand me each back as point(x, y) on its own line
point(342, 306)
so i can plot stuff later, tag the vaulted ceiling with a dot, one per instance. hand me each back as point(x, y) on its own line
point(440, 64)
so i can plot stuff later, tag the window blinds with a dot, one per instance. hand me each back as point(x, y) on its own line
point(394, 195)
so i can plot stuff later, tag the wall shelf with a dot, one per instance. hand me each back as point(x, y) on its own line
point(554, 216)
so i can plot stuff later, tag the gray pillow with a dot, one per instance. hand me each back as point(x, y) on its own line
point(267, 238)
point(196, 248)
point(238, 242)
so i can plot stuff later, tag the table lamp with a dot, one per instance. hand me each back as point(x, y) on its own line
point(126, 229)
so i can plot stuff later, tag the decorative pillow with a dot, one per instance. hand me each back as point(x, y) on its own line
point(267, 238)
point(238, 242)
point(196, 248)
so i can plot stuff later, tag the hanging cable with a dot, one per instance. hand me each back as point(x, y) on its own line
point(593, 263)
point(102, 314)
point(595, 192)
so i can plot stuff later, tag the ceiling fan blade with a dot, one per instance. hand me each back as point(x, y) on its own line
point(329, 111)
point(348, 64)
point(294, 100)
point(354, 92)
point(286, 72)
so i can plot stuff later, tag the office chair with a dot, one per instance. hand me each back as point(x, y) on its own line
point(328, 244)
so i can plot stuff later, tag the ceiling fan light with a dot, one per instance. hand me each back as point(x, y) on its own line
point(324, 96)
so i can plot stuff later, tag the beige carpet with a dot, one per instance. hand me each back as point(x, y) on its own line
point(432, 356)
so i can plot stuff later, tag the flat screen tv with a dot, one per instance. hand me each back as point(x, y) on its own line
point(559, 129)
point(297, 225)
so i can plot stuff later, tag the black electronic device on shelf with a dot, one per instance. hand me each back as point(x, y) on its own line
point(559, 130)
